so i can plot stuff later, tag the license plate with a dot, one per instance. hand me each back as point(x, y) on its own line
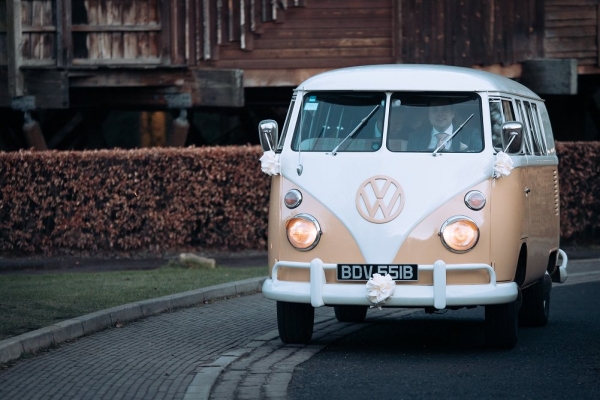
point(363, 272)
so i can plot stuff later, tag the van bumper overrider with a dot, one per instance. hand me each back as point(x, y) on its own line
point(439, 295)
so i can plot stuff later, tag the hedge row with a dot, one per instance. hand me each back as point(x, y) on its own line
point(579, 179)
point(132, 201)
point(156, 201)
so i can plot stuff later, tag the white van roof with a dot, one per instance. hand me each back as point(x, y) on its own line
point(414, 77)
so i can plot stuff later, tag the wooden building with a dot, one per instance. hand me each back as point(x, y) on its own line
point(188, 54)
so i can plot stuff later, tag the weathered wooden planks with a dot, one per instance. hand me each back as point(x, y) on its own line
point(38, 32)
point(572, 30)
point(289, 37)
point(209, 32)
point(327, 33)
point(315, 35)
point(118, 31)
point(471, 32)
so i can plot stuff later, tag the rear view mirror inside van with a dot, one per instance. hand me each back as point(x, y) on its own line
point(512, 137)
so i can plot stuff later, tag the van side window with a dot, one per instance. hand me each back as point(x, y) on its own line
point(507, 108)
point(501, 110)
point(526, 136)
point(538, 145)
point(497, 119)
point(547, 129)
point(540, 129)
point(285, 125)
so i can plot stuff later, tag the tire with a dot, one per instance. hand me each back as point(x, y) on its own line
point(295, 322)
point(501, 324)
point(350, 313)
point(536, 303)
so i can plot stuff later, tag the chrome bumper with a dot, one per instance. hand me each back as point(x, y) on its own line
point(439, 295)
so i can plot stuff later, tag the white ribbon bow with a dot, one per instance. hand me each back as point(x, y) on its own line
point(379, 288)
point(503, 165)
point(269, 163)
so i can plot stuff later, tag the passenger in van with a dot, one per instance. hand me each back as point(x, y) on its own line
point(417, 119)
point(403, 121)
point(441, 125)
point(397, 126)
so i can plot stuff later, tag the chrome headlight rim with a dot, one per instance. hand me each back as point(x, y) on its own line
point(471, 193)
point(309, 218)
point(453, 220)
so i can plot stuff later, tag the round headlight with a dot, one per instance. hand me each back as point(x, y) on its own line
point(303, 232)
point(459, 234)
point(475, 200)
point(292, 199)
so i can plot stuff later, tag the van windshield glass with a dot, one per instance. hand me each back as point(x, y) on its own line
point(344, 121)
point(424, 122)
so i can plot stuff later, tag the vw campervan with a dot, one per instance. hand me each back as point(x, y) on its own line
point(423, 186)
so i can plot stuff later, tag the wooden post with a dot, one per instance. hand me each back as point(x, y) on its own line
point(15, 58)
point(66, 15)
point(58, 15)
point(152, 128)
point(206, 36)
point(597, 33)
point(179, 130)
point(33, 133)
point(397, 32)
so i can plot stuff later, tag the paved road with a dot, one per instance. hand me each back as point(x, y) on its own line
point(230, 346)
point(444, 357)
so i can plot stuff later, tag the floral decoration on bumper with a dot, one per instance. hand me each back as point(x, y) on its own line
point(379, 288)
point(269, 163)
point(503, 165)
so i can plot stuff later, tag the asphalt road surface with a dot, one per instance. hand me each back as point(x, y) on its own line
point(443, 356)
point(230, 349)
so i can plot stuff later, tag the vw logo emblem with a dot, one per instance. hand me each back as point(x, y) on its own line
point(379, 199)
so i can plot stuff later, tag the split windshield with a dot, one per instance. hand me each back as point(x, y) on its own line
point(346, 121)
point(417, 122)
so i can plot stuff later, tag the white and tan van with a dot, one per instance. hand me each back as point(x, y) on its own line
point(421, 186)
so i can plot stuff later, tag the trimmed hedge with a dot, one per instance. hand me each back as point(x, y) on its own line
point(158, 201)
point(579, 180)
point(150, 201)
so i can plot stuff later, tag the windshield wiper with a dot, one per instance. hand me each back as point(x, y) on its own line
point(351, 134)
point(451, 136)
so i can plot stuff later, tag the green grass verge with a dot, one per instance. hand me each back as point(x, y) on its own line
point(29, 302)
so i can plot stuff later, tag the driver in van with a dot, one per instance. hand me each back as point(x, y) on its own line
point(442, 125)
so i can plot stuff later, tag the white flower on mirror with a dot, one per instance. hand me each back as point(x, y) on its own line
point(269, 163)
point(503, 165)
point(379, 288)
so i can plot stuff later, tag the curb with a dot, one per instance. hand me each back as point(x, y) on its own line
point(31, 342)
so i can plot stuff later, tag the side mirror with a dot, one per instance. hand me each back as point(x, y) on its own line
point(512, 136)
point(268, 133)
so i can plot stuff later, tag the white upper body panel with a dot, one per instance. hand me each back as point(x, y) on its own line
point(414, 77)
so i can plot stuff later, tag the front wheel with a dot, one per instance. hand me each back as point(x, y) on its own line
point(501, 324)
point(536, 303)
point(350, 313)
point(295, 322)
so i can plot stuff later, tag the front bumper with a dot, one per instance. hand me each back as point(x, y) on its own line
point(439, 295)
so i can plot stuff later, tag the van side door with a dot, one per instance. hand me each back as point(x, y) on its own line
point(542, 174)
point(510, 206)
